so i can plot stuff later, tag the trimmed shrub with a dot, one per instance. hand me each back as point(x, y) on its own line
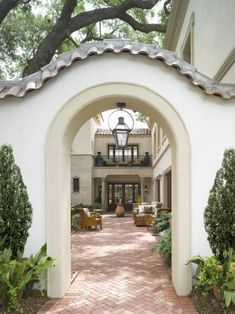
point(219, 216)
point(15, 208)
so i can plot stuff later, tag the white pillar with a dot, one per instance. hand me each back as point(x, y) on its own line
point(103, 195)
point(142, 189)
point(154, 187)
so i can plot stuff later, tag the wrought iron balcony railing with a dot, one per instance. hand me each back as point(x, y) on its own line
point(123, 161)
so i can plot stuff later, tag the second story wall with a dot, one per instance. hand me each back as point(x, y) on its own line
point(205, 36)
point(143, 142)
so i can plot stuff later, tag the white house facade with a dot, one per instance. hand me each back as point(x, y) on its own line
point(111, 174)
point(201, 32)
point(139, 172)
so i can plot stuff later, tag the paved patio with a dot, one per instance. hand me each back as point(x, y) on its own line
point(115, 272)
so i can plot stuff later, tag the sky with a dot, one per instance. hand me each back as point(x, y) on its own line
point(114, 119)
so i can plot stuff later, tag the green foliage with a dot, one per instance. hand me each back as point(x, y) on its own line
point(27, 25)
point(212, 273)
point(209, 272)
point(19, 41)
point(77, 207)
point(162, 222)
point(164, 246)
point(229, 277)
point(75, 226)
point(95, 206)
point(17, 276)
point(219, 214)
point(163, 17)
point(15, 208)
point(141, 117)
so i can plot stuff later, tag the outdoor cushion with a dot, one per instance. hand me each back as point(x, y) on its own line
point(154, 208)
point(86, 210)
point(148, 209)
point(141, 209)
point(158, 204)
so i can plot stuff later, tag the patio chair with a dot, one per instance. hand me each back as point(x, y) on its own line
point(88, 220)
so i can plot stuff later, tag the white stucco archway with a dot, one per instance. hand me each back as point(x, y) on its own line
point(66, 124)
point(40, 127)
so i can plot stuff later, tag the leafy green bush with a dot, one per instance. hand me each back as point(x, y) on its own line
point(164, 246)
point(75, 225)
point(162, 222)
point(15, 208)
point(219, 214)
point(211, 274)
point(77, 207)
point(17, 276)
point(95, 206)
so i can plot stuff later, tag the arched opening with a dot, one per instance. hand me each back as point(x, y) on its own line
point(63, 129)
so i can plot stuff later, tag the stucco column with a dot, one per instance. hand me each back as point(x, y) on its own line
point(154, 183)
point(142, 189)
point(103, 195)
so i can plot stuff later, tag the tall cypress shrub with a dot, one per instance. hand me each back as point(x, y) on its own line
point(15, 208)
point(220, 212)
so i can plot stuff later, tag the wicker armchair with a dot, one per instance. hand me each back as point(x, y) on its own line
point(144, 218)
point(87, 219)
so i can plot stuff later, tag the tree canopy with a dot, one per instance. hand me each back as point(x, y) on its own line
point(33, 32)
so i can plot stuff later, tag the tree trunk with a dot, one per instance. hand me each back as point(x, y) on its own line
point(6, 6)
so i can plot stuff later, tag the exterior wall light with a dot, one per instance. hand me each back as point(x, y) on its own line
point(122, 130)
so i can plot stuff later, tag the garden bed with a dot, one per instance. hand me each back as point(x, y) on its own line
point(209, 304)
point(32, 304)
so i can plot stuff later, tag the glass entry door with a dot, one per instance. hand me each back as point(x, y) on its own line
point(125, 193)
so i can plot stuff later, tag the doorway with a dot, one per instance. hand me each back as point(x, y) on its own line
point(125, 193)
point(168, 190)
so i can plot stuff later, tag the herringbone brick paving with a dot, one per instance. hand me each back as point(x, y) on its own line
point(117, 273)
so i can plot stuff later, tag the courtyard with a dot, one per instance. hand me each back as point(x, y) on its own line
point(114, 271)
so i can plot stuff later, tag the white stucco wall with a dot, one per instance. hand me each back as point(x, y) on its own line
point(81, 167)
point(214, 31)
point(25, 123)
point(230, 75)
point(161, 165)
point(163, 162)
point(83, 142)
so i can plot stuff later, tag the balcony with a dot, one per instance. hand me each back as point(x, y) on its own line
point(123, 161)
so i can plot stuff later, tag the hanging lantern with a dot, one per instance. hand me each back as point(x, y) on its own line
point(122, 129)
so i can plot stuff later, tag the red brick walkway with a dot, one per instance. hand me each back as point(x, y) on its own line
point(117, 273)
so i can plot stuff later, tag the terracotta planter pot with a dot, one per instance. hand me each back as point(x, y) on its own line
point(120, 210)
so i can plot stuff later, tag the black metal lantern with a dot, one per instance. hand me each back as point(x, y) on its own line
point(122, 130)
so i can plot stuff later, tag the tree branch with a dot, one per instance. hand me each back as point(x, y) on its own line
point(90, 17)
point(66, 25)
point(144, 28)
point(67, 10)
point(166, 3)
point(73, 41)
point(90, 37)
point(141, 4)
point(6, 6)
point(53, 40)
